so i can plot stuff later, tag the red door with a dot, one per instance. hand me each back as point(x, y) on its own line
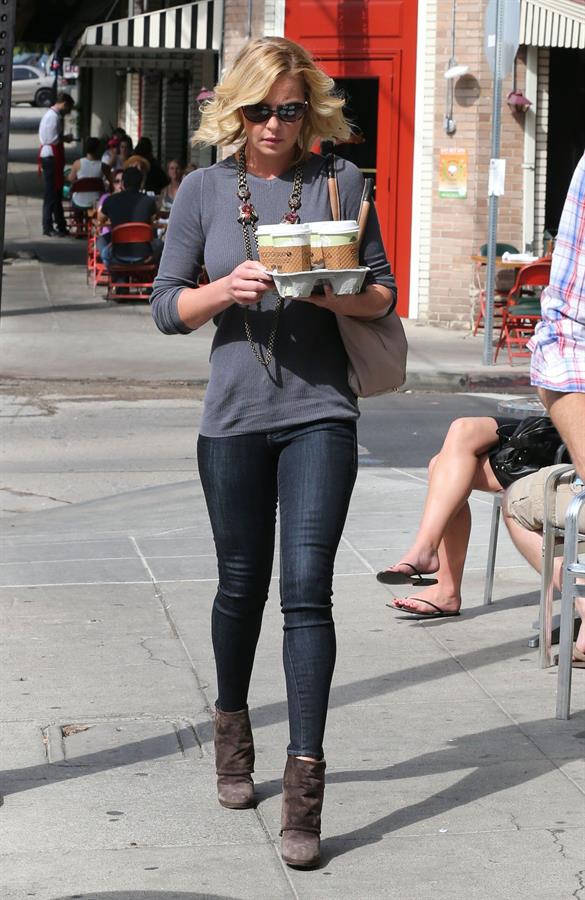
point(369, 48)
point(370, 87)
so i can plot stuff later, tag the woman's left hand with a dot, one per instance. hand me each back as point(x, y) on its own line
point(370, 304)
point(342, 304)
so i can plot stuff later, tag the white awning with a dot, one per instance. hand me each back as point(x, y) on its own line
point(165, 39)
point(553, 23)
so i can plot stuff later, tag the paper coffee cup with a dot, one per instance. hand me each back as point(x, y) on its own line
point(339, 242)
point(291, 249)
point(317, 261)
point(266, 252)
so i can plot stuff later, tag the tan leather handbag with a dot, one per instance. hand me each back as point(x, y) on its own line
point(376, 348)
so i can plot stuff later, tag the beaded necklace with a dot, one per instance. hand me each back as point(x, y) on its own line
point(248, 219)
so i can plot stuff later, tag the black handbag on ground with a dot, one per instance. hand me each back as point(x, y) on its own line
point(525, 448)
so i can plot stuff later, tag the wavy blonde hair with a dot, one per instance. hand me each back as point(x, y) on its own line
point(256, 68)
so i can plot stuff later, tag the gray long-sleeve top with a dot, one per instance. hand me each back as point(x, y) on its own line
point(307, 377)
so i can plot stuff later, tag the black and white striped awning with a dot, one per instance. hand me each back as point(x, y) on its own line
point(166, 38)
point(553, 23)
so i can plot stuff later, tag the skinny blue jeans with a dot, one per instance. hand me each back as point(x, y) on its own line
point(309, 471)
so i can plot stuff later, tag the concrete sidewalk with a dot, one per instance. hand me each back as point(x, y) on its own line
point(448, 776)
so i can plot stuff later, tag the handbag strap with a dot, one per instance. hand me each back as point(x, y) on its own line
point(333, 187)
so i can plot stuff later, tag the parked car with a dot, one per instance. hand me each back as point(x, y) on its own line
point(36, 60)
point(30, 85)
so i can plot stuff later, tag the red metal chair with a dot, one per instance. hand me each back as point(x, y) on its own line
point(131, 281)
point(96, 270)
point(522, 310)
point(503, 283)
point(79, 221)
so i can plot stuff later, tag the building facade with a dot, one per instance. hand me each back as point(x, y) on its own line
point(426, 140)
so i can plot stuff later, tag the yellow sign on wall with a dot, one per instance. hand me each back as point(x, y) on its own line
point(453, 174)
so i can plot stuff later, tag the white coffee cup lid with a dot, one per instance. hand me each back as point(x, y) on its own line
point(284, 230)
point(316, 226)
point(338, 227)
point(265, 229)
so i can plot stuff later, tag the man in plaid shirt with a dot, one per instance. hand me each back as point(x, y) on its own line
point(558, 345)
point(558, 370)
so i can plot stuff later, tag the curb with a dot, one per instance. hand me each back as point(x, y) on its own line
point(436, 382)
point(469, 382)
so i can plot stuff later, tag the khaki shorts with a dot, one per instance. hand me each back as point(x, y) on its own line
point(525, 500)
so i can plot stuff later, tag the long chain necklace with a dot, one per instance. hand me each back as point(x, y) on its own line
point(248, 219)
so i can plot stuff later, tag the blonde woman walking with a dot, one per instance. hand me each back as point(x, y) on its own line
point(279, 421)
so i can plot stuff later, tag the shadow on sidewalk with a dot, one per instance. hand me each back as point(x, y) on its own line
point(144, 895)
point(25, 184)
point(55, 251)
point(497, 757)
point(18, 780)
point(67, 307)
point(484, 751)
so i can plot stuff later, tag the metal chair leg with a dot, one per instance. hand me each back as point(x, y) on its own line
point(549, 538)
point(571, 569)
point(493, 546)
point(546, 592)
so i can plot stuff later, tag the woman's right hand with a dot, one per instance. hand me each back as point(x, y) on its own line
point(248, 283)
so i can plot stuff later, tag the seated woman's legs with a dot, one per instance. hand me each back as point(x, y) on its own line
point(443, 536)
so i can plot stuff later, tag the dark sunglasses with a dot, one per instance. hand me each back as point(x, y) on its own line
point(286, 112)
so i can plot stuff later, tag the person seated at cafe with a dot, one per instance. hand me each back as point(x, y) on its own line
point(175, 173)
point(88, 166)
point(156, 179)
point(523, 511)
point(118, 149)
point(139, 162)
point(116, 186)
point(130, 205)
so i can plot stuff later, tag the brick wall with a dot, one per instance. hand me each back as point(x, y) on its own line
point(421, 282)
point(203, 73)
point(151, 110)
point(235, 32)
point(542, 105)
point(174, 118)
point(459, 227)
point(274, 11)
point(132, 104)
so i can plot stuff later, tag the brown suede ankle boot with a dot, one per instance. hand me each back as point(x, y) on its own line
point(234, 759)
point(303, 785)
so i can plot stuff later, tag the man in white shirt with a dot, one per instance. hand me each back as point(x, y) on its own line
point(51, 162)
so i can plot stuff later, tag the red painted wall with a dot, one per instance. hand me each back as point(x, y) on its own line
point(373, 40)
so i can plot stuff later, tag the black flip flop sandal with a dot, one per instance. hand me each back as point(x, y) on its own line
point(417, 579)
point(438, 614)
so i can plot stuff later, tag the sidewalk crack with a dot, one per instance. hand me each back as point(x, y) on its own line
point(154, 658)
point(16, 493)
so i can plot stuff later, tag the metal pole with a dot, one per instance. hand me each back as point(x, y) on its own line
point(7, 21)
point(488, 349)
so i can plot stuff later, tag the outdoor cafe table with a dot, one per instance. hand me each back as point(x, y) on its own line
point(521, 407)
point(500, 263)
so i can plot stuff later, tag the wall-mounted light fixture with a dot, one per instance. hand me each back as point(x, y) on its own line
point(516, 100)
point(451, 74)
